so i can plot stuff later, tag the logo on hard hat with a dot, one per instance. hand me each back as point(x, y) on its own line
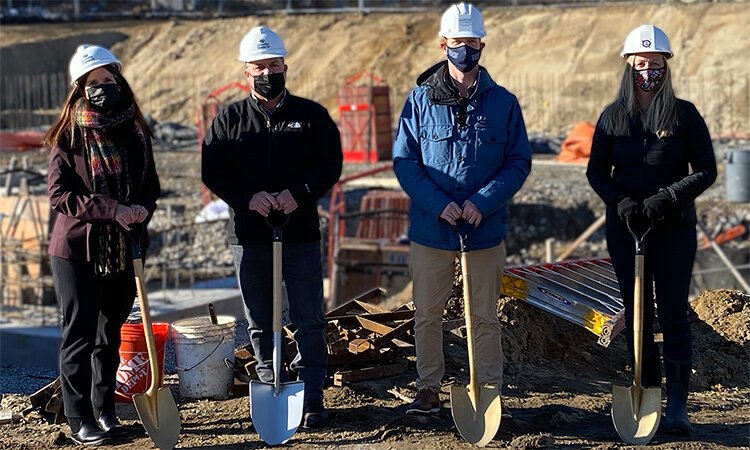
point(464, 22)
point(646, 43)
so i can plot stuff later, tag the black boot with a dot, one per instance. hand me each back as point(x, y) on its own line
point(678, 382)
point(85, 432)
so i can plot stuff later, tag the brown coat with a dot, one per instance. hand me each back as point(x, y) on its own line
point(70, 193)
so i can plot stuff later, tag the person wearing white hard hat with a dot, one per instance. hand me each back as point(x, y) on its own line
point(271, 153)
point(651, 156)
point(102, 183)
point(461, 153)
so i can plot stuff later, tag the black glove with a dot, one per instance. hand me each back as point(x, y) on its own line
point(627, 209)
point(656, 206)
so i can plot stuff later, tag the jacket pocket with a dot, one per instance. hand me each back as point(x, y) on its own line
point(435, 144)
point(490, 146)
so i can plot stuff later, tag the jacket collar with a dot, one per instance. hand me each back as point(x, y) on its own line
point(441, 90)
point(257, 106)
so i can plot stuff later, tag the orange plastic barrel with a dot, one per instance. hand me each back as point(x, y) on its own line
point(133, 375)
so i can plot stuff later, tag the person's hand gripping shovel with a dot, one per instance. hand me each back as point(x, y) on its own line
point(476, 409)
point(156, 407)
point(636, 411)
point(276, 408)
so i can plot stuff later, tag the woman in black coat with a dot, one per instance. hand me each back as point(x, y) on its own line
point(101, 182)
point(651, 157)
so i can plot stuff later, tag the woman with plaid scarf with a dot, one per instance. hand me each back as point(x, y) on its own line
point(103, 184)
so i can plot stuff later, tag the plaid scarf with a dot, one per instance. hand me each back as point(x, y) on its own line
point(108, 169)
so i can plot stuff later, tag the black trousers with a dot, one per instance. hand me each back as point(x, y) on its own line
point(668, 265)
point(93, 311)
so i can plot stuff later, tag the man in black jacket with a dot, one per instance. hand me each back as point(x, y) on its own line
point(275, 151)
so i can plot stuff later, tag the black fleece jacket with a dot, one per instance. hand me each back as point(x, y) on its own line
point(639, 165)
point(247, 150)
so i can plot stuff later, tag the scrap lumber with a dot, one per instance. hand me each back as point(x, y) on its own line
point(363, 341)
point(342, 377)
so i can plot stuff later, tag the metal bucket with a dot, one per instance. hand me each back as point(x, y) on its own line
point(738, 175)
point(200, 349)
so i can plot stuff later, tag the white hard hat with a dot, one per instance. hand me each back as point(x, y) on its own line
point(646, 38)
point(89, 57)
point(261, 43)
point(462, 20)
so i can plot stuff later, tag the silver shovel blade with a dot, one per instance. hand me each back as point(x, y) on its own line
point(636, 413)
point(276, 418)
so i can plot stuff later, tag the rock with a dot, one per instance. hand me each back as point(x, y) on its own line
point(535, 441)
point(58, 439)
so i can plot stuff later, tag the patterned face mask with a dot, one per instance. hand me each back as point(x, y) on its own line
point(648, 79)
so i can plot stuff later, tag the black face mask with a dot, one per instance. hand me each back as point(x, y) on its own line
point(269, 86)
point(103, 96)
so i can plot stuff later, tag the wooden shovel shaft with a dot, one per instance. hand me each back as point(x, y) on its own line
point(469, 317)
point(147, 328)
point(277, 277)
point(638, 321)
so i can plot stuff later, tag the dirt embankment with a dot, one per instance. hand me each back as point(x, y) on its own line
point(557, 58)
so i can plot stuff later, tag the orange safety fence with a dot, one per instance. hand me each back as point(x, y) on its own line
point(576, 148)
point(20, 141)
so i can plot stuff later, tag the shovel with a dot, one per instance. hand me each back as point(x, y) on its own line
point(276, 408)
point(156, 407)
point(476, 409)
point(636, 410)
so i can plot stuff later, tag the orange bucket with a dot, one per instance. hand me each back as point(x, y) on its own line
point(133, 375)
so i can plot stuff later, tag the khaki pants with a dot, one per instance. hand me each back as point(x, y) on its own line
point(432, 271)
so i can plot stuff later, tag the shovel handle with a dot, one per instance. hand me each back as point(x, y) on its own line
point(469, 318)
point(147, 327)
point(463, 228)
point(638, 320)
point(212, 314)
point(638, 302)
point(639, 250)
point(277, 220)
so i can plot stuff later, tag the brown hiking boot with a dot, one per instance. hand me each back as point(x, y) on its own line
point(426, 402)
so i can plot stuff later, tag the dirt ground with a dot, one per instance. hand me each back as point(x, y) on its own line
point(557, 387)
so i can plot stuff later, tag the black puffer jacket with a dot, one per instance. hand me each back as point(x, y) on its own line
point(247, 151)
point(640, 164)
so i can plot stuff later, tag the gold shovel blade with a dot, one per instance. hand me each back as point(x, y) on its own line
point(477, 424)
point(636, 413)
point(159, 416)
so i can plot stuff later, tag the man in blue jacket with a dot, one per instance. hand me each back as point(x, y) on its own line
point(461, 153)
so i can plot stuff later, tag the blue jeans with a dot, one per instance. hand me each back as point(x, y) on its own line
point(301, 268)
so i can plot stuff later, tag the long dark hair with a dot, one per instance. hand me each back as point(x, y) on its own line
point(65, 126)
point(659, 117)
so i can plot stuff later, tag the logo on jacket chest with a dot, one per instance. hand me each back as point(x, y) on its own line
point(291, 126)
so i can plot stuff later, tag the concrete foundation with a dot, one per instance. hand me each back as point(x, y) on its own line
point(37, 346)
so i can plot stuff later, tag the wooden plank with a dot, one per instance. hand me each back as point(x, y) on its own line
point(375, 327)
point(358, 346)
point(7, 416)
point(376, 317)
point(367, 295)
point(343, 377)
point(370, 308)
point(398, 331)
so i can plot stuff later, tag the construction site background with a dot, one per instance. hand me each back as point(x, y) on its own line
point(562, 62)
